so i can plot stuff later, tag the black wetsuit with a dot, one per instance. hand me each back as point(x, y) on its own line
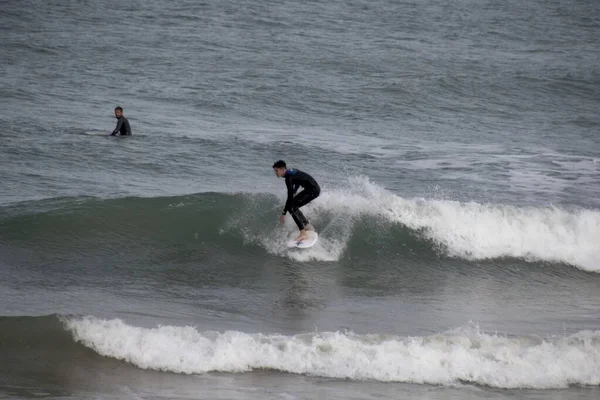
point(123, 127)
point(295, 178)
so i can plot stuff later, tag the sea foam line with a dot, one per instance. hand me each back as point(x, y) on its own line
point(460, 355)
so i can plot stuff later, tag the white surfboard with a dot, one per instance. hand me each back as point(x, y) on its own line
point(312, 239)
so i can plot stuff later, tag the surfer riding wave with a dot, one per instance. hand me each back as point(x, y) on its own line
point(294, 179)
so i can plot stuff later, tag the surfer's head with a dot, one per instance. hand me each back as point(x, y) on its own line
point(279, 167)
point(118, 112)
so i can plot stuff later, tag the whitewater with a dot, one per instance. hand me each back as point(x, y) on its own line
point(461, 355)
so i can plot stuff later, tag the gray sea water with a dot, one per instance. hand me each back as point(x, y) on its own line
point(456, 143)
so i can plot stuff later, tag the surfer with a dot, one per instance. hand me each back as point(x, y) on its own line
point(294, 178)
point(123, 126)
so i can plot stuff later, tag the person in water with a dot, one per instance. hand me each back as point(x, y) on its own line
point(294, 178)
point(123, 126)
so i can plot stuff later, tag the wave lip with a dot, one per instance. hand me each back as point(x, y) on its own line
point(461, 355)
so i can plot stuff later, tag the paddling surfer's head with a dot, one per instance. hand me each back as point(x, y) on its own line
point(118, 112)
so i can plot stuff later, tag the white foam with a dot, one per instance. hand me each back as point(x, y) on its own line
point(476, 231)
point(461, 355)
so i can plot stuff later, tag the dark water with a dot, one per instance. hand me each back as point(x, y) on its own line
point(456, 145)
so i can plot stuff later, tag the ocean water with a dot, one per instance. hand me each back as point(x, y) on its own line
point(456, 144)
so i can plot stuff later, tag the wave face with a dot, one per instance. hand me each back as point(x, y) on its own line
point(360, 215)
point(461, 355)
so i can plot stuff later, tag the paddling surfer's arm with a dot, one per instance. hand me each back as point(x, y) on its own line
point(118, 128)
